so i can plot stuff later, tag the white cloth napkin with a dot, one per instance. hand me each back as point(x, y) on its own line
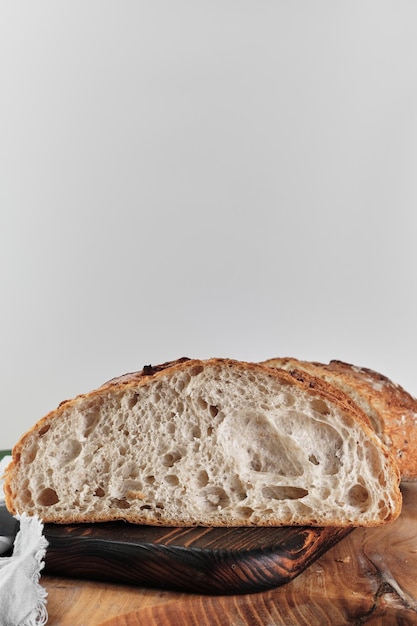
point(22, 598)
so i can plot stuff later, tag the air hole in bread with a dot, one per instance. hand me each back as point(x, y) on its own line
point(237, 489)
point(358, 496)
point(258, 445)
point(170, 458)
point(121, 462)
point(89, 422)
point(213, 410)
point(284, 492)
point(304, 509)
point(170, 427)
point(255, 463)
point(119, 503)
point(320, 406)
point(99, 492)
point(381, 479)
point(313, 459)
point(26, 497)
point(384, 513)
point(202, 478)
point(28, 454)
point(132, 401)
point(288, 399)
point(44, 430)
point(47, 497)
point(214, 498)
point(196, 432)
point(172, 479)
point(150, 479)
point(372, 457)
point(328, 441)
point(244, 511)
point(67, 452)
point(181, 383)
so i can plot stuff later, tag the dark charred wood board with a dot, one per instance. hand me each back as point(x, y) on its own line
point(215, 561)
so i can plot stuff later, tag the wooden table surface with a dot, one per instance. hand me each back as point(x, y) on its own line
point(370, 577)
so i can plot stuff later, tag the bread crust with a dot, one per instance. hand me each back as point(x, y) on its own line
point(391, 410)
point(149, 374)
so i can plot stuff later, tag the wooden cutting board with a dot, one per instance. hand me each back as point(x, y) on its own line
point(369, 577)
point(199, 560)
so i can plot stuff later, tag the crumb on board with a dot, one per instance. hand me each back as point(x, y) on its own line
point(345, 559)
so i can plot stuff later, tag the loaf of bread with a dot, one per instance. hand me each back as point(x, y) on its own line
point(391, 410)
point(212, 443)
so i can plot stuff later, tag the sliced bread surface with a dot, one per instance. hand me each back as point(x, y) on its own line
point(213, 443)
point(391, 410)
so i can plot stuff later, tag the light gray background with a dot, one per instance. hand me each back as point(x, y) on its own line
point(209, 178)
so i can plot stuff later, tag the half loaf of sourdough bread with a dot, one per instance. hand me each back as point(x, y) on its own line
point(212, 443)
point(391, 410)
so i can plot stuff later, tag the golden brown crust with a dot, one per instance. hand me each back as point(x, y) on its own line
point(147, 370)
point(395, 406)
point(391, 410)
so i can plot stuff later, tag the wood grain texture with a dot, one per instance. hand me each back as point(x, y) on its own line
point(369, 577)
point(199, 560)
